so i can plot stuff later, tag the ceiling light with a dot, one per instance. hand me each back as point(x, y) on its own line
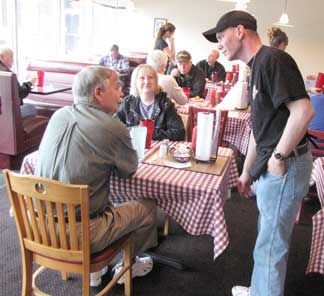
point(284, 19)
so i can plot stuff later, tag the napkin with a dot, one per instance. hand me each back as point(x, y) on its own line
point(204, 135)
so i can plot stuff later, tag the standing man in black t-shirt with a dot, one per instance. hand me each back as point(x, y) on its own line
point(278, 155)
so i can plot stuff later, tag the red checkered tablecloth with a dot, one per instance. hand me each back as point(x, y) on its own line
point(194, 200)
point(238, 125)
point(316, 260)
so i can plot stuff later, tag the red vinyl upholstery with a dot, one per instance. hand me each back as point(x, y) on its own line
point(17, 135)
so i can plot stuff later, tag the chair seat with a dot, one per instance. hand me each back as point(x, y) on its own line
point(110, 252)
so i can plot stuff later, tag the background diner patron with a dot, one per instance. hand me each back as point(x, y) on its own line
point(159, 60)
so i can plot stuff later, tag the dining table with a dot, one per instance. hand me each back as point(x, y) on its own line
point(316, 258)
point(195, 200)
point(48, 89)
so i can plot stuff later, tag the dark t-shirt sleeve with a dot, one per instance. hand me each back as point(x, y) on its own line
point(284, 80)
point(161, 44)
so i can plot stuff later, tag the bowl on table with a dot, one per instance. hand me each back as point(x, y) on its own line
point(181, 153)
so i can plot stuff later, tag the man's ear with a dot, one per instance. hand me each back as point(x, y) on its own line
point(240, 31)
point(97, 94)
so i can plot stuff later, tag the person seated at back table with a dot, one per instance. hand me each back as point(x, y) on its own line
point(317, 123)
point(83, 144)
point(6, 62)
point(159, 60)
point(211, 65)
point(188, 75)
point(147, 101)
point(115, 61)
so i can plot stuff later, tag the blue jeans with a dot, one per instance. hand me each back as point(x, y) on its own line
point(278, 201)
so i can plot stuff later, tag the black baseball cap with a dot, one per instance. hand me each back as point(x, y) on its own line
point(231, 19)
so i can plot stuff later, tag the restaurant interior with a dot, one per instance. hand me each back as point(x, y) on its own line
point(207, 231)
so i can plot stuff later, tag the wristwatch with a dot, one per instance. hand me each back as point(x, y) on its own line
point(278, 155)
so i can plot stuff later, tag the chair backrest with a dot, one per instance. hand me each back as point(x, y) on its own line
point(12, 132)
point(316, 142)
point(46, 214)
point(193, 115)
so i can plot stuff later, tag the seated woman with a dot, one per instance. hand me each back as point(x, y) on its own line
point(147, 101)
point(159, 60)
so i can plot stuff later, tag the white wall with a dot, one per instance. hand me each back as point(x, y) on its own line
point(306, 38)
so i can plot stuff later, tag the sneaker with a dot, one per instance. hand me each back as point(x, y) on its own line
point(241, 291)
point(95, 277)
point(141, 267)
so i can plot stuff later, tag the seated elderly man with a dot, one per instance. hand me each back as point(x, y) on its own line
point(115, 61)
point(159, 60)
point(83, 144)
point(6, 62)
point(148, 101)
point(211, 65)
point(188, 75)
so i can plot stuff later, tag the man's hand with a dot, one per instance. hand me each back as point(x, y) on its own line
point(244, 185)
point(175, 72)
point(276, 167)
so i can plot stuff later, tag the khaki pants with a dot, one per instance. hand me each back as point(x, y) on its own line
point(138, 217)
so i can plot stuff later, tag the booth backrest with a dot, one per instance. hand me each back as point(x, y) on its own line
point(11, 134)
point(63, 72)
point(17, 134)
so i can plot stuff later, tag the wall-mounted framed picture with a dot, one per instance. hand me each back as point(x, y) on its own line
point(158, 23)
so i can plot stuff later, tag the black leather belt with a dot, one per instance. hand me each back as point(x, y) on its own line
point(299, 150)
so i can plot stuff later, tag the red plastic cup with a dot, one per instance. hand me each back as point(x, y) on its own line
point(236, 68)
point(214, 76)
point(229, 76)
point(40, 78)
point(320, 80)
point(186, 90)
point(212, 99)
point(194, 139)
point(150, 128)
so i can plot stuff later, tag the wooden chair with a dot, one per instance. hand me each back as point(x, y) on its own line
point(18, 136)
point(48, 214)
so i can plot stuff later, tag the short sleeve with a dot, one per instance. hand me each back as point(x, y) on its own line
point(283, 78)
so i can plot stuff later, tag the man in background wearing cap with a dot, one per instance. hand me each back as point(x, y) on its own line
point(188, 75)
point(278, 155)
point(210, 65)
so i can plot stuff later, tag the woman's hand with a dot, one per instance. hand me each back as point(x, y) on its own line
point(171, 39)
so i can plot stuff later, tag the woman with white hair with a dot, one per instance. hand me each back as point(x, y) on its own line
point(148, 101)
point(159, 60)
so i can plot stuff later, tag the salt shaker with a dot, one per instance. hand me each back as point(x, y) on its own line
point(164, 148)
